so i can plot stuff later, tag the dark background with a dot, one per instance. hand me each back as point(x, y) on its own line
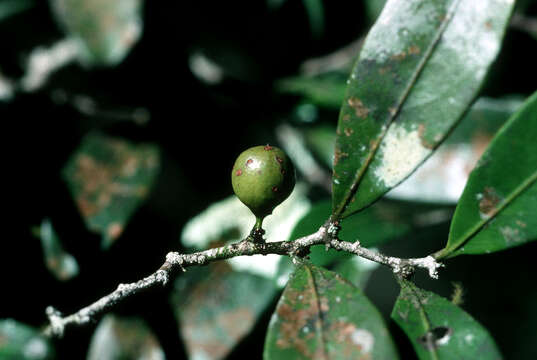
point(200, 130)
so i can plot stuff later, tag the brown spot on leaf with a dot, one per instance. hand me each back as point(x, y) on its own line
point(238, 172)
point(274, 189)
point(268, 148)
point(383, 70)
point(489, 201)
point(423, 139)
point(279, 159)
point(414, 50)
point(360, 109)
point(114, 230)
point(398, 57)
point(338, 154)
point(346, 117)
point(348, 131)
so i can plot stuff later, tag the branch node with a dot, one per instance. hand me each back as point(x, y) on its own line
point(57, 326)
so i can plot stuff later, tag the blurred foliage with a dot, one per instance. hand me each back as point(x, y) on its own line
point(137, 141)
point(109, 178)
point(20, 341)
point(60, 263)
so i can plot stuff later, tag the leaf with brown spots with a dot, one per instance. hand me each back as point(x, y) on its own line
point(417, 73)
point(105, 30)
point(498, 206)
point(23, 342)
point(124, 338)
point(321, 316)
point(109, 178)
point(216, 307)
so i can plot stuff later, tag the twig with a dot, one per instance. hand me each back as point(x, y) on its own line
point(176, 262)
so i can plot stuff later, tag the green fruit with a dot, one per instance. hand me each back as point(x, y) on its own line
point(263, 177)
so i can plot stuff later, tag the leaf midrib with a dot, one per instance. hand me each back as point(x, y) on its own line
point(423, 316)
point(319, 328)
point(337, 213)
point(449, 250)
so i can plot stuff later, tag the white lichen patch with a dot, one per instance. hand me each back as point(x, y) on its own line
point(400, 152)
point(430, 264)
point(511, 235)
point(469, 338)
point(364, 339)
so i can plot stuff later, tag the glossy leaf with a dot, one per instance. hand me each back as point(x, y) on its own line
point(124, 338)
point(109, 178)
point(420, 67)
point(217, 307)
point(497, 208)
point(442, 177)
point(59, 262)
point(106, 30)
point(322, 316)
point(440, 330)
point(22, 342)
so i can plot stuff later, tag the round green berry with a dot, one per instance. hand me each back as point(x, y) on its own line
point(263, 177)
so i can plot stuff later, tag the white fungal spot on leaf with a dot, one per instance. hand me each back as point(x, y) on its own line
point(364, 339)
point(400, 152)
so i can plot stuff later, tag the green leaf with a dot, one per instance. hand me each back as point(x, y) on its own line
point(356, 269)
point(9, 8)
point(22, 342)
point(217, 307)
point(420, 67)
point(109, 178)
point(106, 30)
point(326, 90)
point(440, 330)
point(442, 177)
point(322, 316)
point(497, 208)
point(373, 8)
point(124, 338)
point(59, 262)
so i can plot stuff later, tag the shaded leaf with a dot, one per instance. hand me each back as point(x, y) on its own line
point(124, 338)
point(419, 69)
point(373, 8)
point(497, 208)
point(109, 178)
point(356, 269)
point(105, 30)
point(22, 342)
point(438, 329)
point(378, 224)
point(325, 90)
point(322, 316)
point(59, 262)
point(217, 307)
point(9, 8)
